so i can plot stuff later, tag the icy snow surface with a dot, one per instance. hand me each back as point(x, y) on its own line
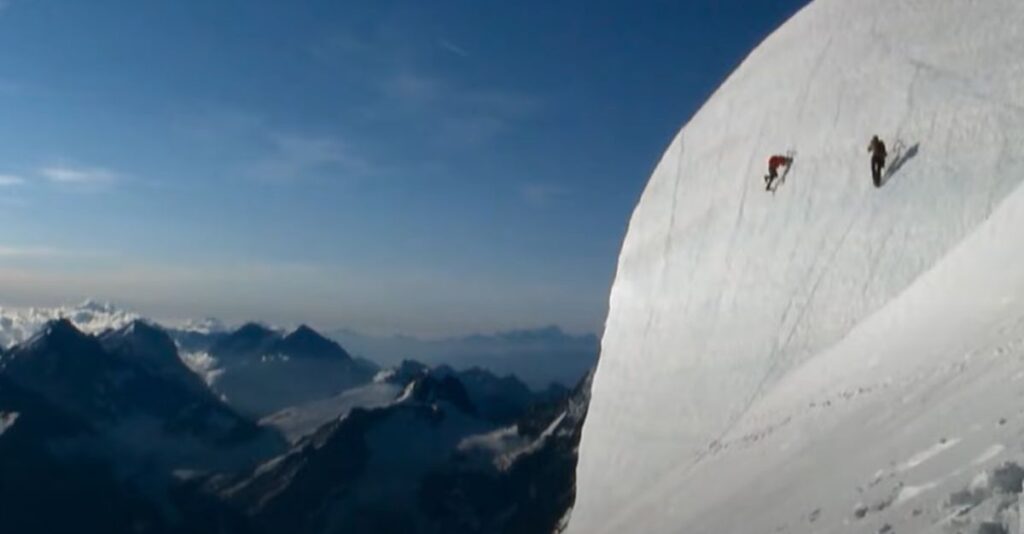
point(7, 420)
point(300, 421)
point(833, 357)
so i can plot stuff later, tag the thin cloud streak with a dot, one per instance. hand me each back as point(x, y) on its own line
point(413, 89)
point(462, 116)
point(7, 180)
point(453, 48)
point(409, 88)
point(540, 195)
point(28, 252)
point(282, 155)
point(82, 176)
point(299, 156)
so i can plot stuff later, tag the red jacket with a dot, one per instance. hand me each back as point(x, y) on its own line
point(775, 162)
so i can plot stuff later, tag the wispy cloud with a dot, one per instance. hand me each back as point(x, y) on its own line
point(7, 180)
point(79, 176)
point(413, 87)
point(28, 252)
point(271, 153)
point(399, 66)
point(461, 116)
point(298, 156)
point(410, 88)
point(453, 48)
point(540, 194)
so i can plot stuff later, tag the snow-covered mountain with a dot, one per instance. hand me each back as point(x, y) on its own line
point(129, 385)
point(537, 357)
point(362, 470)
point(426, 461)
point(259, 370)
point(118, 435)
point(296, 422)
point(207, 326)
point(499, 400)
point(19, 324)
point(45, 487)
point(834, 357)
point(94, 431)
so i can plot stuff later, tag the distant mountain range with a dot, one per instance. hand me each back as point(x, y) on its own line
point(108, 421)
point(19, 324)
point(130, 384)
point(260, 371)
point(538, 357)
point(427, 462)
point(264, 432)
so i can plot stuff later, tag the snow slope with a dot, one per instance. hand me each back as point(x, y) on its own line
point(297, 422)
point(772, 362)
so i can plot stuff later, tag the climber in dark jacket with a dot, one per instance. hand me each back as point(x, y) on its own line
point(877, 149)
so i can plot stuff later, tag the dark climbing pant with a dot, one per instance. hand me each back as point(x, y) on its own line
point(877, 164)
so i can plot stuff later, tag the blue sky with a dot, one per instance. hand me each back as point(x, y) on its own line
point(424, 167)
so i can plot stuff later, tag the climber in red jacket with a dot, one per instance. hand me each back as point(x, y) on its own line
point(774, 163)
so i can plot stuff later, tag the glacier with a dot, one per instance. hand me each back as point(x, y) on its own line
point(832, 357)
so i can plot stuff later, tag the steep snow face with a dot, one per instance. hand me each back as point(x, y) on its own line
point(734, 310)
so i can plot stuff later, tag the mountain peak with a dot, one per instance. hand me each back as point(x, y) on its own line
point(253, 329)
point(249, 340)
point(304, 342)
point(403, 373)
point(304, 329)
point(143, 342)
point(60, 332)
point(61, 326)
point(96, 306)
point(62, 358)
point(140, 327)
point(18, 325)
point(430, 389)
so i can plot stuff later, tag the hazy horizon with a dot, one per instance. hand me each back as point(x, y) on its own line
point(326, 329)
